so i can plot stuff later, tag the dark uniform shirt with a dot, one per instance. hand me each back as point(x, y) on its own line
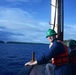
point(56, 49)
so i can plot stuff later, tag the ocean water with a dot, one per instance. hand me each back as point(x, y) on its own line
point(14, 56)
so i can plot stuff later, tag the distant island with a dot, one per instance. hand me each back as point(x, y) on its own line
point(2, 42)
point(66, 42)
point(13, 42)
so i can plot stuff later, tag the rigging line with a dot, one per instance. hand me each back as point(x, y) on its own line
point(54, 6)
point(50, 23)
point(55, 15)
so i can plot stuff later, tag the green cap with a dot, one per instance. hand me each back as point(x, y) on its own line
point(72, 43)
point(50, 32)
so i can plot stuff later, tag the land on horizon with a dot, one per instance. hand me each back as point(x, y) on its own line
point(12, 42)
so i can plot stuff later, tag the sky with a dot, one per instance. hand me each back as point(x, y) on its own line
point(28, 20)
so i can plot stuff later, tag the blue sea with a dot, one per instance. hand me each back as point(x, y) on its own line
point(14, 56)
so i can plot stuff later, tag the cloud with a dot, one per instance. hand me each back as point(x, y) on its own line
point(23, 1)
point(69, 31)
point(19, 25)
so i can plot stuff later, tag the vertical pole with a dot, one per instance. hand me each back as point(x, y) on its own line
point(62, 19)
point(59, 18)
point(33, 56)
point(54, 14)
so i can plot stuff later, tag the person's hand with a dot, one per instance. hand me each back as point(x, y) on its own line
point(31, 63)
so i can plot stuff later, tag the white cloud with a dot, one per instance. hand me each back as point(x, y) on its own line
point(24, 1)
point(69, 32)
point(21, 26)
point(17, 21)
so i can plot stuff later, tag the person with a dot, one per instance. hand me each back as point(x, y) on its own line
point(58, 52)
point(72, 56)
point(49, 65)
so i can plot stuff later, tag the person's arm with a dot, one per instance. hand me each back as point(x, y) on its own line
point(55, 50)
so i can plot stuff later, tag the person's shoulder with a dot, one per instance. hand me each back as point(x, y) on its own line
point(58, 42)
point(74, 51)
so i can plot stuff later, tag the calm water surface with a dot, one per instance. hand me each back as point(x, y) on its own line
point(14, 56)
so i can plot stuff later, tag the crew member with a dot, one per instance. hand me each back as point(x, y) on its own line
point(58, 52)
point(72, 56)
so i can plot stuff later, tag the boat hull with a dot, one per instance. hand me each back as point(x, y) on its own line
point(33, 70)
point(38, 70)
point(26, 70)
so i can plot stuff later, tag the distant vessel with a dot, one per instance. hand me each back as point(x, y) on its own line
point(57, 23)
